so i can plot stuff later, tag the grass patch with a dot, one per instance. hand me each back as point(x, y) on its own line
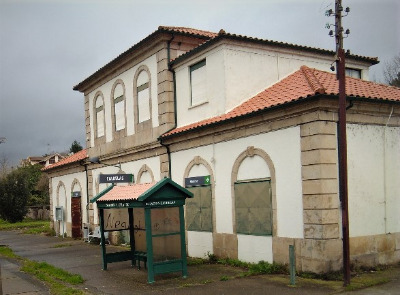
point(224, 278)
point(7, 252)
point(58, 280)
point(28, 226)
point(365, 281)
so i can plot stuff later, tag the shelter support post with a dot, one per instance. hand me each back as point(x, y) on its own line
point(132, 236)
point(149, 243)
point(103, 240)
point(183, 241)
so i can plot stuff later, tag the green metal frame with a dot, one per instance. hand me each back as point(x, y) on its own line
point(164, 194)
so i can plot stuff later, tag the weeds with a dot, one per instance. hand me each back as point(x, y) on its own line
point(58, 280)
point(29, 226)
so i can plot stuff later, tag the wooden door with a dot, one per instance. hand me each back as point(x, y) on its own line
point(76, 216)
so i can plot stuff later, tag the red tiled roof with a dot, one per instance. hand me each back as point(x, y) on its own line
point(188, 31)
point(126, 192)
point(81, 155)
point(223, 35)
point(303, 83)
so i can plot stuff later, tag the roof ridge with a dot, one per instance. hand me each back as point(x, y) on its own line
point(312, 80)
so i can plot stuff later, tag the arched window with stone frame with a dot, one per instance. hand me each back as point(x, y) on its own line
point(142, 98)
point(99, 117)
point(118, 106)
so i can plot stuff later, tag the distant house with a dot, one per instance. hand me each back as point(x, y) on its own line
point(43, 160)
point(250, 127)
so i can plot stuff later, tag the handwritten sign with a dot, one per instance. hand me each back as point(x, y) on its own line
point(116, 219)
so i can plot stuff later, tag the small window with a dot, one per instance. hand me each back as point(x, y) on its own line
point(253, 208)
point(354, 73)
point(119, 107)
point(198, 83)
point(143, 97)
point(99, 117)
point(199, 209)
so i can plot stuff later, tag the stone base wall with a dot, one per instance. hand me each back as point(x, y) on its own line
point(375, 250)
point(322, 256)
point(225, 245)
point(39, 213)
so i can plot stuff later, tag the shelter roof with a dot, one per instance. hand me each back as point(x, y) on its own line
point(126, 192)
point(165, 189)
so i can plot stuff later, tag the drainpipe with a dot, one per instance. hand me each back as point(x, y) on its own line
point(175, 108)
point(384, 170)
point(82, 163)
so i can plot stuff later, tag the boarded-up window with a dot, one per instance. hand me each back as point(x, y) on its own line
point(199, 209)
point(119, 107)
point(198, 83)
point(143, 97)
point(99, 117)
point(253, 207)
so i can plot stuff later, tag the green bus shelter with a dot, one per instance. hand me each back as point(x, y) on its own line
point(155, 222)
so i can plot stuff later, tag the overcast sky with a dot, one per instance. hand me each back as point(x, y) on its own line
point(49, 46)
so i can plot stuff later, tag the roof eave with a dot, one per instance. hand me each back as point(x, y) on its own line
point(256, 113)
point(221, 36)
point(82, 86)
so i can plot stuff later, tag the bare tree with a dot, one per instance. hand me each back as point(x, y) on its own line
point(391, 72)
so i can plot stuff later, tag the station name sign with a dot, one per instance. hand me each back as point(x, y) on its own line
point(115, 178)
point(197, 181)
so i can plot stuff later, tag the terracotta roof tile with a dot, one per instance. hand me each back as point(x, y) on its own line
point(81, 155)
point(188, 31)
point(306, 82)
point(126, 193)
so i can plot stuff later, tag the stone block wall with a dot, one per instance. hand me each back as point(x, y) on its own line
point(321, 249)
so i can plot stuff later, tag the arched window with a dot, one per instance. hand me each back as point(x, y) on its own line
point(142, 99)
point(99, 116)
point(145, 175)
point(143, 96)
point(118, 99)
point(199, 209)
point(253, 193)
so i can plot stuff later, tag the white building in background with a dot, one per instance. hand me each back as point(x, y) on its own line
point(253, 123)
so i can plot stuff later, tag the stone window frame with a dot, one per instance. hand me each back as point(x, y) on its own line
point(118, 133)
point(77, 182)
point(143, 170)
point(251, 152)
point(97, 139)
point(145, 125)
point(61, 184)
point(197, 160)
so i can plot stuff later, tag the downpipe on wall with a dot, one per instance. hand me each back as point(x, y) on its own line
point(384, 169)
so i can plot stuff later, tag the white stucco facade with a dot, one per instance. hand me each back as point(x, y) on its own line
point(373, 173)
point(229, 65)
point(61, 191)
point(283, 148)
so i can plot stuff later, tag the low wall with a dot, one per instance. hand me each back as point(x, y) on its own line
point(38, 212)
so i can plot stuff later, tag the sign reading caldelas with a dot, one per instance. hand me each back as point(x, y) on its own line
point(115, 178)
point(197, 181)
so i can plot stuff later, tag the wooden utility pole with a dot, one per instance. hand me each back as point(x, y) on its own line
point(342, 139)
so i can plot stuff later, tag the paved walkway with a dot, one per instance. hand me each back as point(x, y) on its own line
point(78, 257)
